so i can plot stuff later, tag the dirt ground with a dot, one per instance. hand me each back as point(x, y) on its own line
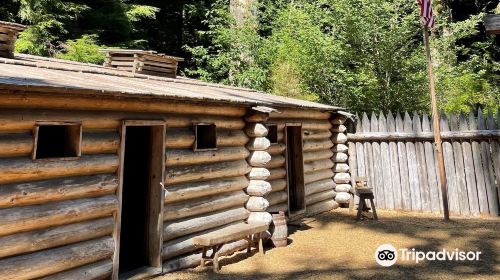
point(335, 246)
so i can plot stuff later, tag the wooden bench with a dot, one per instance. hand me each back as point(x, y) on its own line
point(216, 239)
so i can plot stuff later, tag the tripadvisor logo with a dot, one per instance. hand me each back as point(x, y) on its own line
point(386, 255)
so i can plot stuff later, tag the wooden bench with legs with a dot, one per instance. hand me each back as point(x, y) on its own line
point(216, 239)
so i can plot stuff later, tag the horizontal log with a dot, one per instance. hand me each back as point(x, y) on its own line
point(338, 128)
point(278, 185)
point(16, 144)
point(116, 104)
point(183, 138)
point(342, 178)
point(194, 260)
point(51, 261)
point(202, 172)
point(340, 167)
point(258, 188)
point(277, 208)
point(339, 138)
point(318, 165)
point(203, 222)
point(315, 145)
point(277, 173)
point(256, 130)
point(317, 155)
point(343, 188)
point(320, 207)
point(185, 244)
point(317, 134)
point(319, 186)
point(21, 144)
point(37, 240)
point(189, 157)
point(203, 205)
point(340, 157)
point(343, 197)
point(256, 117)
point(276, 161)
point(307, 124)
point(277, 197)
point(24, 218)
point(100, 142)
point(340, 148)
point(94, 271)
point(318, 175)
point(276, 149)
point(320, 196)
point(426, 135)
point(259, 217)
point(24, 169)
point(258, 173)
point(38, 192)
point(256, 203)
point(299, 113)
point(259, 158)
point(258, 144)
point(181, 192)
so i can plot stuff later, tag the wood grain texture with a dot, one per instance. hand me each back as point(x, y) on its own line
point(463, 202)
point(96, 271)
point(436, 197)
point(52, 261)
point(202, 172)
point(189, 157)
point(181, 192)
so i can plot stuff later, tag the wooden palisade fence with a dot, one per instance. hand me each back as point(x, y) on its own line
point(396, 153)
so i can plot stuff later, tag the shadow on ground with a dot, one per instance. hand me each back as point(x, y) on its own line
point(335, 246)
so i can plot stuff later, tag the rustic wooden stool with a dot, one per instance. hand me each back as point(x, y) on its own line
point(361, 189)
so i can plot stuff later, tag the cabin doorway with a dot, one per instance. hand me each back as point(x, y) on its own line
point(295, 170)
point(142, 198)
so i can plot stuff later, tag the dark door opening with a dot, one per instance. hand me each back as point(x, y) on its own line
point(142, 200)
point(295, 170)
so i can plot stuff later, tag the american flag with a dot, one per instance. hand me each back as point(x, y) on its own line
point(426, 15)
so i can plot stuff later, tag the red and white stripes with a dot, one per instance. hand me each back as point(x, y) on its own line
point(426, 15)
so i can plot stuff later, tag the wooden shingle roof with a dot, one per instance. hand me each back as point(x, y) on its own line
point(32, 73)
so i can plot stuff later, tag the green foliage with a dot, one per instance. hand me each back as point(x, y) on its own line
point(84, 49)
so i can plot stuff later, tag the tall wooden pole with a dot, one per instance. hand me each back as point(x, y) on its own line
point(437, 130)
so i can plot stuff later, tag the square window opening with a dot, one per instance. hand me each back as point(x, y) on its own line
point(272, 133)
point(205, 137)
point(57, 141)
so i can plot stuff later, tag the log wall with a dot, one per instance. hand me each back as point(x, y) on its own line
point(205, 189)
point(56, 216)
point(318, 161)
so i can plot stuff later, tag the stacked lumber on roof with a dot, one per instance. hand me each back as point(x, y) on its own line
point(8, 36)
point(142, 62)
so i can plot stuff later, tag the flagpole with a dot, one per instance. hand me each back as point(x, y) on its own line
point(437, 130)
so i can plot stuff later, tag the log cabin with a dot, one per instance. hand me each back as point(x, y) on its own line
point(106, 173)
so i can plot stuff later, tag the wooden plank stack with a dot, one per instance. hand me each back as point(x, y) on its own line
point(342, 177)
point(397, 155)
point(8, 36)
point(142, 62)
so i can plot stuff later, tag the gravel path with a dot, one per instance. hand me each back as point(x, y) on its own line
point(335, 246)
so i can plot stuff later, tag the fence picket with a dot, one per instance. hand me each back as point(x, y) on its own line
point(488, 169)
point(368, 153)
point(423, 190)
point(412, 166)
point(449, 165)
point(403, 166)
point(377, 167)
point(387, 184)
point(470, 177)
point(394, 163)
point(432, 179)
point(478, 169)
point(463, 202)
